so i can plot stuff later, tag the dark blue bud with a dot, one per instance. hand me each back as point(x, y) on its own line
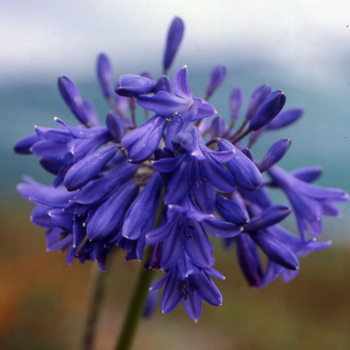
point(217, 128)
point(241, 167)
point(235, 103)
point(115, 126)
point(72, 98)
point(216, 78)
point(276, 251)
point(307, 173)
point(174, 38)
point(268, 217)
point(163, 84)
point(133, 85)
point(90, 114)
point(24, 146)
point(144, 140)
point(104, 75)
point(108, 215)
point(285, 118)
point(268, 110)
point(87, 168)
point(256, 100)
point(274, 154)
point(249, 260)
point(231, 211)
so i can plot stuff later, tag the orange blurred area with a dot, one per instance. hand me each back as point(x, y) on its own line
point(43, 301)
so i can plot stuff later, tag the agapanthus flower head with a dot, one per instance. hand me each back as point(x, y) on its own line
point(174, 181)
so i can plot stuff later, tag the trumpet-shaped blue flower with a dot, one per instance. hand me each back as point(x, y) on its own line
point(309, 202)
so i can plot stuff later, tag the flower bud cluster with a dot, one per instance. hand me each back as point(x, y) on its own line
point(183, 167)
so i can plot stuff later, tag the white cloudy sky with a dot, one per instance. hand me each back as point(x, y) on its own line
point(309, 38)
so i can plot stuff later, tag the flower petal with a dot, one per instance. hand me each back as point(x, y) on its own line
point(174, 38)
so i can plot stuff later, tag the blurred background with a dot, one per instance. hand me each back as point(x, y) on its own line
point(297, 46)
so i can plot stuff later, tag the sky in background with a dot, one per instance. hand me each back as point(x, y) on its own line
point(43, 39)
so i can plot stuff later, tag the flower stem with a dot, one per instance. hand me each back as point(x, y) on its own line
point(96, 298)
point(139, 296)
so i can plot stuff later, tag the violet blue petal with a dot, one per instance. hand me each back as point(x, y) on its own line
point(285, 118)
point(47, 149)
point(164, 103)
point(108, 215)
point(205, 196)
point(61, 218)
point(216, 78)
point(72, 98)
point(307, 173)
point(268, 217)
point(206, 288)
point(218, 127)
point(98, 189)
point(173, 248)
point(163, 84)
point(24, 145)
point(91, 114)
point(161, 233)
point(183, 142)
point(181, 183)
point(221, 229)
point(141, 215)
point(197, 245)
point(143, 141)
point(216, 174)
point(249, 260)
point(168, 165)
point(171, 294)
point(270, 108)
point(180, 84)
point(42, 194)
point(276, 251)
point(104, 75)
point(115, 126)
point(241, 167)
point(40, 217)
point(256, 100)
point(174, 38)
point(204, 109)
point(176, 125)
point(231, 211)
point(192, 303)
point(134, 85)
point(274, 154)
point(88, 168)
point(235, 103)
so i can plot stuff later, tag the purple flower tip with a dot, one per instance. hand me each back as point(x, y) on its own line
point(217, 76)
point(268, 110)
point(174, 38)
point(134, 85)
point(104, 75)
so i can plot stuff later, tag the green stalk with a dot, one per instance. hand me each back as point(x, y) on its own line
point(139, 296)
point(95, 303)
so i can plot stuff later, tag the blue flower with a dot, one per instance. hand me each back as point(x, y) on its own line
point(309, 202)
point(182, 102)
point(196, 168)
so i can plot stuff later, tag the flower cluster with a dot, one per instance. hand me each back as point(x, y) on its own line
point(174, 181)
